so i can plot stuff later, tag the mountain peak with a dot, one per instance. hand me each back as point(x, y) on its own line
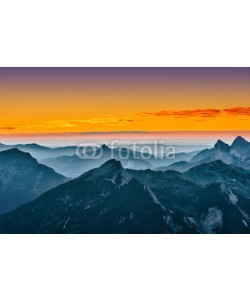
point(239, 141)
point(104, 147)
point(220, 145)
point(17, 155)
point(15, 151)
point(112, 163)
point(111, 166)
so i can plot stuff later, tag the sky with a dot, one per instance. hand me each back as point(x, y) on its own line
point(56, 102)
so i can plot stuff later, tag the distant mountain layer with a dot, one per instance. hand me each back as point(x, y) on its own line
point(210, 198)
point(73, 166)
point(238, 154)
point(41, 152)
point(23, 179)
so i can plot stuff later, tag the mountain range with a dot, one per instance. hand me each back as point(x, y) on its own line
point(41, 152)
point(210, 193)
point(23, 179)
point(211, 198)
point(238, 154)
point(74, 166)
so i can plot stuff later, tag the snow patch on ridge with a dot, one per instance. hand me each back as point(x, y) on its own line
point(245, 223)
point(212, 221)
point(126, 178)
point(65, 224)
point(232, 197)
point(112, 179)
point(155, 199)
point(37, 181)
point(244, 214)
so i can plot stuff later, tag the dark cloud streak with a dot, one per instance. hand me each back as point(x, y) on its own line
point(8, 128)
point(201, 113)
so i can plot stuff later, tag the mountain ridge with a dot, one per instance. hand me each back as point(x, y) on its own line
point(111, 199)
point(22, 179)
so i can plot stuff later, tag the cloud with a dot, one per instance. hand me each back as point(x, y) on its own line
point(117, 131)
point(202, 113)
point(58, 123)
point(108, 120)
point(8, 128)
point(238, 111)
point(66, 124)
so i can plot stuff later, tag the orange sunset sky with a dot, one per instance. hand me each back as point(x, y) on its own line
point(37, 101)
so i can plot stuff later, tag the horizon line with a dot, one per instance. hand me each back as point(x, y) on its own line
point(126, 135)
point(123, 132)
